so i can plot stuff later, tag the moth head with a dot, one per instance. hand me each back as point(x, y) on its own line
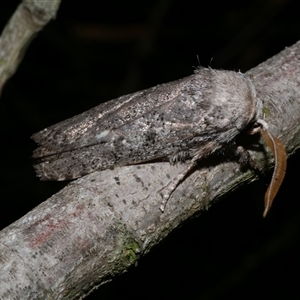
point(255, 105)
point(258, 107)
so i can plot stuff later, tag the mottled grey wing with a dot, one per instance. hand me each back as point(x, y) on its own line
point(82, 130)
point(167, 121)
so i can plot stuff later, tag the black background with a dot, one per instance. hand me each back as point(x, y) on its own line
point(97, 50)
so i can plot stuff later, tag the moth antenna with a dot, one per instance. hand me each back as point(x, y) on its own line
point(198, 59)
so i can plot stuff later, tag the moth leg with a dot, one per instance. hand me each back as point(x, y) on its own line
point(244, 156)
point(169, 189)
point(245, 159)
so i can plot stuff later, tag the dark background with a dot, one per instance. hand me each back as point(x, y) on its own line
point(97, 50)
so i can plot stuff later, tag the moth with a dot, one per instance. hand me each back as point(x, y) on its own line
point(185, 120)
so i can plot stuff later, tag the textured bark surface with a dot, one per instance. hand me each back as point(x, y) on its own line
point(100, 224)
point(29, 18)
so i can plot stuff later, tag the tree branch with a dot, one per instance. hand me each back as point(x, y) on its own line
point(29, 18)
point(100, 224)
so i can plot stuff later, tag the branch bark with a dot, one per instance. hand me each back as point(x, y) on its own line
point(101, 224)
point(29, 18)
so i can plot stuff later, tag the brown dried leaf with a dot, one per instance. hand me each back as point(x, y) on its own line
point(280, 156)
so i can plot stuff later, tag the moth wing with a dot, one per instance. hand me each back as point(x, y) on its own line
point(177, 120)
point(84, 129)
